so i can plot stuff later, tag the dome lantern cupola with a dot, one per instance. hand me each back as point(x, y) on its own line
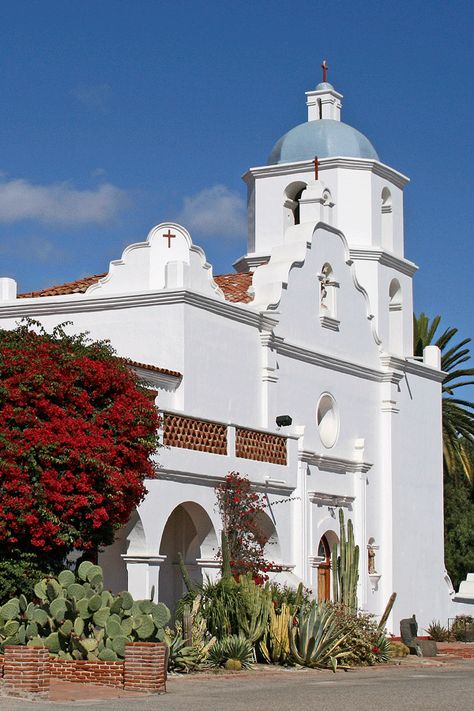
point(324, 102)
point(323, 134)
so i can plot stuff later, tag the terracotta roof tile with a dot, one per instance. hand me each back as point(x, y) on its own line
point(234, 286)
point(154, 368)
point(71, 287)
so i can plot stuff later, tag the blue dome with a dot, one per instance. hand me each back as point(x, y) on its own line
point(323, 138)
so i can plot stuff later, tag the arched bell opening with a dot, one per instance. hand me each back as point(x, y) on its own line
point(291, 203)
point(395, 317)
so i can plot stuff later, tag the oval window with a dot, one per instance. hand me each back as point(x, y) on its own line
point(328, 421)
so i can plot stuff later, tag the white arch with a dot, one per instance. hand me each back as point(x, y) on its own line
point(188, 531)
point(130, 539)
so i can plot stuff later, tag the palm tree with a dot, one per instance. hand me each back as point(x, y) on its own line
point(458, 414)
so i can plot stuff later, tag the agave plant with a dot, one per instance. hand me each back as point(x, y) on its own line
point(233, 652)
point(382, 649)
point(316, 639)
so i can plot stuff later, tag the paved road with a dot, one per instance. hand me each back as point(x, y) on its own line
point(407, 688)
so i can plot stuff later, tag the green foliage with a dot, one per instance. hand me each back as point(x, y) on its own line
point(458, 414)
point(316, 638)
point(235, 649)
point(381, 649)
point(459, 526)
point(19, 571)
point(437, 631)
point(463, 628)
point(345, 566)
point(77, 619)
point(365, 640)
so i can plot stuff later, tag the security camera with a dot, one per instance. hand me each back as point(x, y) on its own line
point(284, 420)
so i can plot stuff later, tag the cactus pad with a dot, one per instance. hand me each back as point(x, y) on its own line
point(66, 578)
point(10, 609)
point(145, 628)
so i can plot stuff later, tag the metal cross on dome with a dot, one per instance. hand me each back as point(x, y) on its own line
point(169, 237)
point(325, 68)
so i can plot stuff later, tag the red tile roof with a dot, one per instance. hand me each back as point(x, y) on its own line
point(71, 287)
point(234, 286)
point(154, 368)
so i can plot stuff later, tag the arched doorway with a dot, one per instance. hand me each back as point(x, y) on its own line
point(188, 531)
point(324, 570)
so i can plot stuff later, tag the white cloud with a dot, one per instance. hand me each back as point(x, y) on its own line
point(215, 211)
point(94, 97)
point(59, 203)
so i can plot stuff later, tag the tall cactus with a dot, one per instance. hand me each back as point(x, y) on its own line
point(226, 571)
point(345, 567)
point(253, 610)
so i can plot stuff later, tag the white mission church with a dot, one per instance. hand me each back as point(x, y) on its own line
point(315, 324)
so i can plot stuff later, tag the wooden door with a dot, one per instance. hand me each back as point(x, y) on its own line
point(324, 571)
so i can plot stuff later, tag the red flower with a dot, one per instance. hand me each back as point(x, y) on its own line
point(77, 431)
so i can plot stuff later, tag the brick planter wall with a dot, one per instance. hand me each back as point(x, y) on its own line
point(2, 659)
point(26, 669)
point(87, 672)
point(145, 667)
point(458, 649)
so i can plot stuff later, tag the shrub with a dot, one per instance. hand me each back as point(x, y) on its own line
point(76, 434)
point(20, 572)
point(437, 631)
point(363, 636)
point(240, 508)
point(463, 628)
point(398, 649)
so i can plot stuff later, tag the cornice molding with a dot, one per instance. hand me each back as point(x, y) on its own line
point(328, 322)
point(387, 259)
point(164, 381)
point(380, 169)
point(184, 477)
point(334, 500)
point(333, 464)
point(394, 363)
point(333, 363)
point(78, 303)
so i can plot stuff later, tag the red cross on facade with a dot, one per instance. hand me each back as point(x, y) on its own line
point(324, 67)
point(169, 237)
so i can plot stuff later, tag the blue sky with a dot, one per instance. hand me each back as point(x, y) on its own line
point(116, 115)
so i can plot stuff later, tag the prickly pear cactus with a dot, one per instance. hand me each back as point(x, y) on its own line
point(75, 618)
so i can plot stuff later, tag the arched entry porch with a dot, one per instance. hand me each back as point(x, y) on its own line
point(129, 540)
point(188, 531)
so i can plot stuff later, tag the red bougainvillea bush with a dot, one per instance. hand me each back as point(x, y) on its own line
point(76, 434)
point(241, 511)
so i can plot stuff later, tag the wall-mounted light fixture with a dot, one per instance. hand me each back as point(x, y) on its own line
point(284, 420)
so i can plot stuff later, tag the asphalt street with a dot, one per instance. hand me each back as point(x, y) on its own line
point(383, 689)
